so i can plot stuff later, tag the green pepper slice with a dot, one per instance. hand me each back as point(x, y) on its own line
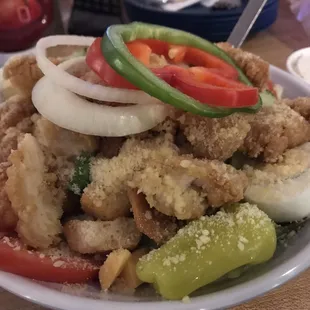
point(120, 59)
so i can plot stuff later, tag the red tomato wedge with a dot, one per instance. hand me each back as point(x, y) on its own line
point(216, 85)
point(141, 51)
point(191, 56)
point(15, 258)
point(222, 92)
point(199, 58)
point(96, 61)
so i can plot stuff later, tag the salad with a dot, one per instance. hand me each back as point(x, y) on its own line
point(158, 158)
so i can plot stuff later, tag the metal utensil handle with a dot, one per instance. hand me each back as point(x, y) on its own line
point(246, 22)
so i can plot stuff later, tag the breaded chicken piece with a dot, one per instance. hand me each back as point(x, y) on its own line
point(156, 225)
point(255, 68)
point(12, 135)
point(300, 105)
point(185, 187)
point(34, 196)
point(8, 218)
point(273, 130)
point(106, 196)
point(88, 237)
point(23, 73)
point(61, 147)
point(13, 111)
point(214, 138)
point(60, 141)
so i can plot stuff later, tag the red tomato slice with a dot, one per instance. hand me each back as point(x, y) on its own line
point(15, 258)
point(141, 51)
point(96, 61)
point(208, 87)
point(190, 55)
point(215, 95)
point(214, 78)
point(158, 47)
point(199, 58)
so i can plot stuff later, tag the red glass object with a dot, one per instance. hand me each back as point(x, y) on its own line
point(22, 22)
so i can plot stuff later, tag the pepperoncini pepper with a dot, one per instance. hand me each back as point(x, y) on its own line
point(208, 248)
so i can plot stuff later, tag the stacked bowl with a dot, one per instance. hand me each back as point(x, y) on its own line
point(212, 24)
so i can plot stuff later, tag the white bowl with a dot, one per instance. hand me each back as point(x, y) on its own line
point(292, 60)
point(287, 262)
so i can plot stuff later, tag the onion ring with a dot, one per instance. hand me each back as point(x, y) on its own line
point(72, 112)
point(78, 86)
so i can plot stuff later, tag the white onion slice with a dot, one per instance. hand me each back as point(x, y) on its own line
point(72, 112)
point(78, 86)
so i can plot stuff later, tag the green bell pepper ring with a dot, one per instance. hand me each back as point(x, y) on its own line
point(120, 59)
point(209, 248)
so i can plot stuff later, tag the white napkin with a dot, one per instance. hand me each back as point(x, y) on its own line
point(178, 5)
point(222, 3)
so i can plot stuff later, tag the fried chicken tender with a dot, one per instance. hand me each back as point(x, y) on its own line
point(23, 73)
point(12, 135)
point(8, 218)
point(13, 111)
point(301, 105)
point(88, 237)
point(60, 141)
point(106, 196)
point(214, 138)
point(273, 130)
point(255, 68)
point(34, 196)
point(185, 187)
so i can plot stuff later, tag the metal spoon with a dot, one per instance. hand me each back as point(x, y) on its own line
point(246, 22)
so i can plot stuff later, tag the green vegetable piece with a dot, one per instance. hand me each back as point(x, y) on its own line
point(209, 248)
point(81, 175)
point(122, 61)
point(268, 99)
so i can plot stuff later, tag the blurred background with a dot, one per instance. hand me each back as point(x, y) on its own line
point(23, 22)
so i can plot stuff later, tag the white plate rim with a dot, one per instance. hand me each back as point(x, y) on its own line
point(292, 60)
point(240, 293)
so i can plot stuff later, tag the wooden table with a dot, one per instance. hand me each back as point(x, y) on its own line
point(274, 45)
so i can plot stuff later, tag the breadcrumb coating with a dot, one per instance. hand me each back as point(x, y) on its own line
point(101, 236)
point(12, 136)
point(23, 72)
point(185, 187)
point(60, 141)
point(13, 111)
point(8, 218)
point(255, 68)
point(273, 130)
point(301, 105)
point(294, 162)
point(106, 196)
point(214, 138)
point(34, 196)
